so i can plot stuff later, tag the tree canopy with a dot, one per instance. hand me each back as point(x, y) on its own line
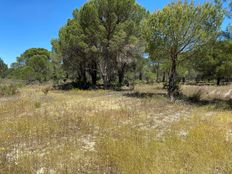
point(33, 64)
point(181, 27)
point(101, 40)
point(110, 42)
point(214, 60)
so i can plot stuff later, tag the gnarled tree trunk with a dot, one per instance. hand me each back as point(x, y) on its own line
point(173, 84)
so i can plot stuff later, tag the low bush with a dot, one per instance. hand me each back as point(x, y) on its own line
point(196, 97)
point(229, 102)
point(8, 90)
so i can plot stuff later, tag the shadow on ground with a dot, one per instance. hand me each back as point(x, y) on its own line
point(145, 94)
point(87, 86)
point(216, 103)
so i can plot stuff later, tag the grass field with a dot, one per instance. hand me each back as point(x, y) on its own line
point(112, 132)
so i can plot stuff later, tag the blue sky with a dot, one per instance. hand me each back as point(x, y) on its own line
point(33, 23)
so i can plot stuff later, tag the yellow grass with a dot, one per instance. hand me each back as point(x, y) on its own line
point(209, 92)
point(111, 132)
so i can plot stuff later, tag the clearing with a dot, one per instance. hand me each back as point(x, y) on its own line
point(113, 132)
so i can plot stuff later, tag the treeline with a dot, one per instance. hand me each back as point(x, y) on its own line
point(116, 42)
point(34, 64)
point(103, 41)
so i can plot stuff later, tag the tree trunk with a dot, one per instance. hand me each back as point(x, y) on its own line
point(120, 78)
point(107, 63)
point(105, 76)
point(82, 80)
point(218, 81)
point(140, 76)
point(183, 80)
point(121, 75)
point(173, 86)
point(164, 77)
point(157, 72)
point(93, 74)
point(103, 73)
point(105, 82)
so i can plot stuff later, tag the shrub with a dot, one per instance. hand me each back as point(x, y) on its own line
point(8, 90)
point(37, 104)
point(196, 97)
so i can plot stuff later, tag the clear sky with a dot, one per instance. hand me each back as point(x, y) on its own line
point(33, 23)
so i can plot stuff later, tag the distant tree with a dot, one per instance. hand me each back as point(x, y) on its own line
point(3, 68)
point(14, 65)
point(139, 68)
point(23, 58)
point(179, 28)
point(33, 64)
point(214, 61)
point(41, 66)
point(26, 73)
point(150, 71)
point(22, 73)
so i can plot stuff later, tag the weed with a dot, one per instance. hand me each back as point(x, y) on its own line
point(37, 104)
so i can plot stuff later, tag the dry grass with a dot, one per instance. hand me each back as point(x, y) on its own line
point(111, 132)
point(209, 92)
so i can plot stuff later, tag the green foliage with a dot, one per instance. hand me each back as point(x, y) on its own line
point(56, 60)
point(116, 44)
point(41, 66)
point(181, 27)
point(214, 61)
point(3, 69)
point(24, 73)
point(105, 42)
point(34, 64)
point(32, 52)
point(149, 71)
